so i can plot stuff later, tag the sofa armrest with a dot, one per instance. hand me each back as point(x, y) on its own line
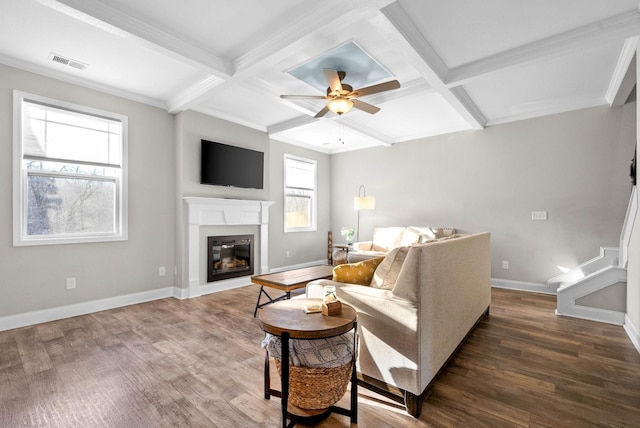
point(363, 246)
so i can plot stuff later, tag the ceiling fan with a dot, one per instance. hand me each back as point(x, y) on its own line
point(342, 96)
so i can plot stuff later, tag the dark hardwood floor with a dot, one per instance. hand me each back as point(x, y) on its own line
point(198, 363)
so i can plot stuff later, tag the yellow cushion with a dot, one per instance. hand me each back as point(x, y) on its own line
point(360, 273)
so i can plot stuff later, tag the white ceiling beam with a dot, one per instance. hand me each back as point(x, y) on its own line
point(616, 28)
point(293, 37)
point(296, 122)
point(427, 61)
point(105, 16)
point(624, 76)
point(192, 94)
point(383, 139)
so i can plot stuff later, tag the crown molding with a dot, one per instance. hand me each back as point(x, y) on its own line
point(624, 75)
point(554, 109)
point(296, 122)
point(187, 97)
point(468, 109)
point(79, 81)
point(355, 126)
point(616, 28)
point(229, 118)
point(107, 17)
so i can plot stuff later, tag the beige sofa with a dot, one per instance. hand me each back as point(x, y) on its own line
point(421, 303)
point(385, 239)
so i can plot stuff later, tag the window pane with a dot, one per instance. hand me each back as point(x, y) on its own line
point(62, 134)
point(299, 174)
point(59, 205)
point(297, 211)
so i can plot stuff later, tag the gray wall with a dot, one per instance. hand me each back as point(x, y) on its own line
point(303, 247)
point(574, 165)
point(34, 277)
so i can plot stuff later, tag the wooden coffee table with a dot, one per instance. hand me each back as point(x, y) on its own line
point(288, 281)
point(288, 320)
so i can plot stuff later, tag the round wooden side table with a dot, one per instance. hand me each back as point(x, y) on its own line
point(288, 320)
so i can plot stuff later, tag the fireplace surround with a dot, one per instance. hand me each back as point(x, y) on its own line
point(223, 212)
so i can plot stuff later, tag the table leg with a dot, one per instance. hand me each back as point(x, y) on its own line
point(255, 311)
point(284, 363)
point(267, 377)
point(354, 379)
point(285, 296)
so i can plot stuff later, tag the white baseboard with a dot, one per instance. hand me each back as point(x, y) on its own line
point(36, 317)
point(632, 332)
point(593, 314)
point(523, 286)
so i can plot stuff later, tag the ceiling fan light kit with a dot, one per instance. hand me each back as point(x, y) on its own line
point(342, 97)
point(340, 105)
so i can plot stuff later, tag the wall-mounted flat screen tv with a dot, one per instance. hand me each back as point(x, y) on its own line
point(225, 165)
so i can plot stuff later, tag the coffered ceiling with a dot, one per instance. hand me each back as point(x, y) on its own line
point(462, 64)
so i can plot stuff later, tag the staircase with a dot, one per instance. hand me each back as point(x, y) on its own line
point(596, 289)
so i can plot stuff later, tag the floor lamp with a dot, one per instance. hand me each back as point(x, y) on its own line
point(362, 202)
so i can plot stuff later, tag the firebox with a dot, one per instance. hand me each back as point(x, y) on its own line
point(229, 257)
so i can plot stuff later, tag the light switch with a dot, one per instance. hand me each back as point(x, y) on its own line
point(538, 215)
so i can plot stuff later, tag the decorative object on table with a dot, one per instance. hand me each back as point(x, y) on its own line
point(329, 294)
point(362, 202)
point(330, 309)
point(330, 303)
point(348, 233)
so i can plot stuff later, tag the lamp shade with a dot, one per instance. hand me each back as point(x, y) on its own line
point(364, 203)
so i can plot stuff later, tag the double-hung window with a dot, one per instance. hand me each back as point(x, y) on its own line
point(70, 175)
point(299, 194)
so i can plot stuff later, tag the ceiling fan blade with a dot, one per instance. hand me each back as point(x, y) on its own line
point(313, 97)
point(374, 89)
point(333, 79)
point(322, 112)
point(365, 106)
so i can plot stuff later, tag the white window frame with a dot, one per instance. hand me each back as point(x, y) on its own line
point(20, 185)
point(312, 194)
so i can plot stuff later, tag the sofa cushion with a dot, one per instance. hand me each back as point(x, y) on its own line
point(426, 233)
point(409, 236)
point(360, 273)
point(387, 272)
point(386, 238)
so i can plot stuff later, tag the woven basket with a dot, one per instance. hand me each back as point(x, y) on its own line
point(317, 388)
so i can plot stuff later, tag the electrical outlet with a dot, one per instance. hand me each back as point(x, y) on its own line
point(505, 264)
point(288, 254)
point(538, 215)
point(162, 271)
point(71, 283)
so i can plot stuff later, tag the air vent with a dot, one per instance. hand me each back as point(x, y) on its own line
point(67, 61)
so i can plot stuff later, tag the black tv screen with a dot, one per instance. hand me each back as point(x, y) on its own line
point(224, 165)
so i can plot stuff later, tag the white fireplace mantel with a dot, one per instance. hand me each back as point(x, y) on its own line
point(223, 212)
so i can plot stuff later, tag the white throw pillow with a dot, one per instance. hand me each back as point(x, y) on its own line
point(387, 272)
